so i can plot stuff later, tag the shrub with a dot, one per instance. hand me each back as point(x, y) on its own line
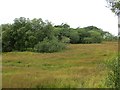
point(49, 46)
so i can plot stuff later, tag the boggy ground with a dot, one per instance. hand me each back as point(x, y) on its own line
point(80, 66)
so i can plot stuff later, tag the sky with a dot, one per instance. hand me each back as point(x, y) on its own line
point(76, 13)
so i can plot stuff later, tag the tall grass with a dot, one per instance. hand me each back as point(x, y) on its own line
point(113, 78)
point(79, 66)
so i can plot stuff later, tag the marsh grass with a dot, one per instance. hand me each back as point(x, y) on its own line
point(113, 77)
point(80, 66)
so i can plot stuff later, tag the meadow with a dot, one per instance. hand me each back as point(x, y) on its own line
point(79, 66)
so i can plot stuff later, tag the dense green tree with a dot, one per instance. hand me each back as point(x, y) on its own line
point(96, 36)
point(109, 37)
point(62, 30)
point(74, 36)
point(90, 34)
point(25, 34)
point(7, 39)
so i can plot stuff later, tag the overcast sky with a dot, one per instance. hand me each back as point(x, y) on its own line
point(76, 13)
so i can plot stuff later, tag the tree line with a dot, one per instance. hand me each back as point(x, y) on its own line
point(42, 36)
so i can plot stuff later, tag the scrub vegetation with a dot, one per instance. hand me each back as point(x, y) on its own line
point(42, 36)
point(38, 54)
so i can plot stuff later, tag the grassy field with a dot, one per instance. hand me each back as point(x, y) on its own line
point(80, 66)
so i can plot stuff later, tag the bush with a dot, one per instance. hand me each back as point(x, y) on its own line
point(49, 46)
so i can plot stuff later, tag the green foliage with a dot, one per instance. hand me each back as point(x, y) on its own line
point(65, 39)
point(114, 5)
point(96, 36)
point(62, 31)
point(7, 39)
point(24, 34)
point(74, 37)
point(113, 78)
point(49, 46)
point(109, 37)
point(88, 40)
point(90, 34)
